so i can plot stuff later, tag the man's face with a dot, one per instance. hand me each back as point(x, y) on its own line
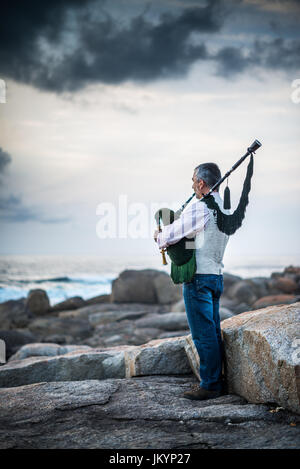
point(197, 186)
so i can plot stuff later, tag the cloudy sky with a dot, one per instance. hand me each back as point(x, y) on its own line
point(111, 104)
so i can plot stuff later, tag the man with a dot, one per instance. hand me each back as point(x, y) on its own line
point(202, 294)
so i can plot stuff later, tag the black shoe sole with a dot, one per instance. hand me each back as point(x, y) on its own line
point(194, 398)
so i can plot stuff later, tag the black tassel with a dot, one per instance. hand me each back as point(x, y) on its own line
point(230, 223)
point(227, 203)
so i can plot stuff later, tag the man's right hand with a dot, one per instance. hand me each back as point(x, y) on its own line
point(155, 235)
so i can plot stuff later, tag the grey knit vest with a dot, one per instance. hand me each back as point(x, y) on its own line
point(211, 243)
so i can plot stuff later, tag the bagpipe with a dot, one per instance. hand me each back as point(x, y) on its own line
point(183, 260)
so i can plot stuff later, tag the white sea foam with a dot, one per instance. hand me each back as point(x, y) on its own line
point(87, 276)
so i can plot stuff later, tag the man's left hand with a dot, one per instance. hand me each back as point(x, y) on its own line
point(155, 235)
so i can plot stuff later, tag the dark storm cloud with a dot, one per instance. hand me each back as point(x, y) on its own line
point(106, 51)
point(66, 45)
point(23, 24)
point(141, 51)
point(5, 159)
point(276, 54)
point(231, 61)
point(13, 209)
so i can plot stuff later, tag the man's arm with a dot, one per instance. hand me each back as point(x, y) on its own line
point(192, 220)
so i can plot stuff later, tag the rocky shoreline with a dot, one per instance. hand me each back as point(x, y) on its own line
point(123, 360)
point(144, 305)
point(145, 412)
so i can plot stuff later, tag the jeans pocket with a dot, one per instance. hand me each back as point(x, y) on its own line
point(220, 287)
point(200, 285)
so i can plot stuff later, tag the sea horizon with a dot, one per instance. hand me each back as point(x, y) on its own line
point(64, 276)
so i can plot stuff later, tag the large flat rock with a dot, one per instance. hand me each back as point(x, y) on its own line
point(146, 412)
point(158, 357)
point(263, 355)
point(261, 347)
point(145, 286)
point(70, 366)
point(166, 322)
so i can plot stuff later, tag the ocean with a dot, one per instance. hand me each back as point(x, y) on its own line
point(87, 276)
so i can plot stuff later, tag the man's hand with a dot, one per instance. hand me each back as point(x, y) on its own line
point(155, 235)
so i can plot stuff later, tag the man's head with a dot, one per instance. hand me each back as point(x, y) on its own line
point(205, 176)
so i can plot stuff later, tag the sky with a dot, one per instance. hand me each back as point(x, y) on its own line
point(110, 105)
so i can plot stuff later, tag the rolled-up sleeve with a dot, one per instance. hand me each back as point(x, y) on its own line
point(192, 220)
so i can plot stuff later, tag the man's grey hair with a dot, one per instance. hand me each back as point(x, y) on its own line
point(209, 172)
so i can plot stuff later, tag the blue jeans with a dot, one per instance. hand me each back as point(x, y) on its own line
point(201, 298)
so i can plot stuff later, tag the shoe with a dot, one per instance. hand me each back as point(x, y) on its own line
point(201, 394)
